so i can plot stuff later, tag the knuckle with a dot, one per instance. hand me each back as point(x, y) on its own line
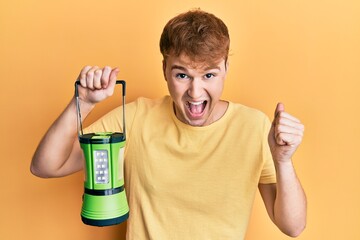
point(281, 120)
point(278, 128)
point(98, 71)
point(89, 74)
point(280, 114)
point(82, 82)
point(85, 69)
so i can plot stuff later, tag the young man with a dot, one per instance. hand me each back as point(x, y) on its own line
point(193, 161)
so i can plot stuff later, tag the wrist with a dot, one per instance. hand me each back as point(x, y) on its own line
point(283, 165)
point(85, 107)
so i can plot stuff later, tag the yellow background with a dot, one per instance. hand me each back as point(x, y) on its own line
point(303, 53)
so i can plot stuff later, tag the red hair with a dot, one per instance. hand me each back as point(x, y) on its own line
point(201, 36)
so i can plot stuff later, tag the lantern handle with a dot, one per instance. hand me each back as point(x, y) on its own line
point(79, 121)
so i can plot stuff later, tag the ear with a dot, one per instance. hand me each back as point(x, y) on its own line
point(226, 68)
point(164, 68)
point(226, 65)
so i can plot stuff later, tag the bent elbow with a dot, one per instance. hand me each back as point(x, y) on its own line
point(296, 231)
point(36, 172)
point(39, 171)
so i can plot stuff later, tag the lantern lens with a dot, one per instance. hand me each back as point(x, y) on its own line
point(101, 166)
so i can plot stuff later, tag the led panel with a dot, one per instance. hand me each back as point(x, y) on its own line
point(101, 166)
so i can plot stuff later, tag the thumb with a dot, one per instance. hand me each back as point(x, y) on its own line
point(113, 77)
point(279, 108)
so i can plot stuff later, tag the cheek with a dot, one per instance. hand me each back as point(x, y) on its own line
point(174, 89)
point(216, 90)
point(176, 85)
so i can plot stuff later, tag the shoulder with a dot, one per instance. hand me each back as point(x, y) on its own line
point(238, 110)
point(147, 102)
point(244, 117)
point(146, 109)
point(146, 105)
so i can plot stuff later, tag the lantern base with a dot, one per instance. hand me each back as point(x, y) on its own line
point(104, 210)
point(105, 222)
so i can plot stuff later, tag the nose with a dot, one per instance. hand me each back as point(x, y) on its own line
point(195, 89)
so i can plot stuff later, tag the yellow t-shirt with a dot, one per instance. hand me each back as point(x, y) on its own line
point(186, 182)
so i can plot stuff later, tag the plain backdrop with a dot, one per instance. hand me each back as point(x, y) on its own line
point(303, 53)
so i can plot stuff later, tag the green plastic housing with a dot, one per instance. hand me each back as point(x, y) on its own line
point(104, 203)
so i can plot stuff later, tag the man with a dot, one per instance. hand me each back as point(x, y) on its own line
point(193, 161)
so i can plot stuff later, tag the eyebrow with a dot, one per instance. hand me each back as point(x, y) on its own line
point(184, 69)
point(178, 67)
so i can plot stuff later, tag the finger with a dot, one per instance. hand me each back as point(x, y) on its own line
point(105, 76)
point(90, 77)
point(288, 139)
point(97, 78)
point(288, 129)
point(290, 122)
point(82, 75)
point(287, 116)
point(112, 79)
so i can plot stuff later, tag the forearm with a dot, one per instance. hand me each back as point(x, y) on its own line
point(57, 152)
point(290, 204)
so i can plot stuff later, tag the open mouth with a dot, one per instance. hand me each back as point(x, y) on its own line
point(196, 109)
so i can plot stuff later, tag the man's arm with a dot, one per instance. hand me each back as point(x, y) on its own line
point(285, 201)
point(59, 153)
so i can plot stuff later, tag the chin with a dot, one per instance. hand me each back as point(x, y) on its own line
point(196, 123)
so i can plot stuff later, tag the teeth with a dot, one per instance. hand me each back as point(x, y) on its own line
point(196, 103)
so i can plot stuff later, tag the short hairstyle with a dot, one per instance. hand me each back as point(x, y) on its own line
point(201, 36)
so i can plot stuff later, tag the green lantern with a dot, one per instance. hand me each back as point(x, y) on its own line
point(104, 199)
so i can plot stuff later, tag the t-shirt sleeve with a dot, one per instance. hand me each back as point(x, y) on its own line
point(268, 174)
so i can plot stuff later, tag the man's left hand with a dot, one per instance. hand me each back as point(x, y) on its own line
point(285, 135)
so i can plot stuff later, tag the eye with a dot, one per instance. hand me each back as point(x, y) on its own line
point(181, 76)
point(209, 75)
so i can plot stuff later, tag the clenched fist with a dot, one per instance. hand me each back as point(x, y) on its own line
point(285, 135)
point(96, 84)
